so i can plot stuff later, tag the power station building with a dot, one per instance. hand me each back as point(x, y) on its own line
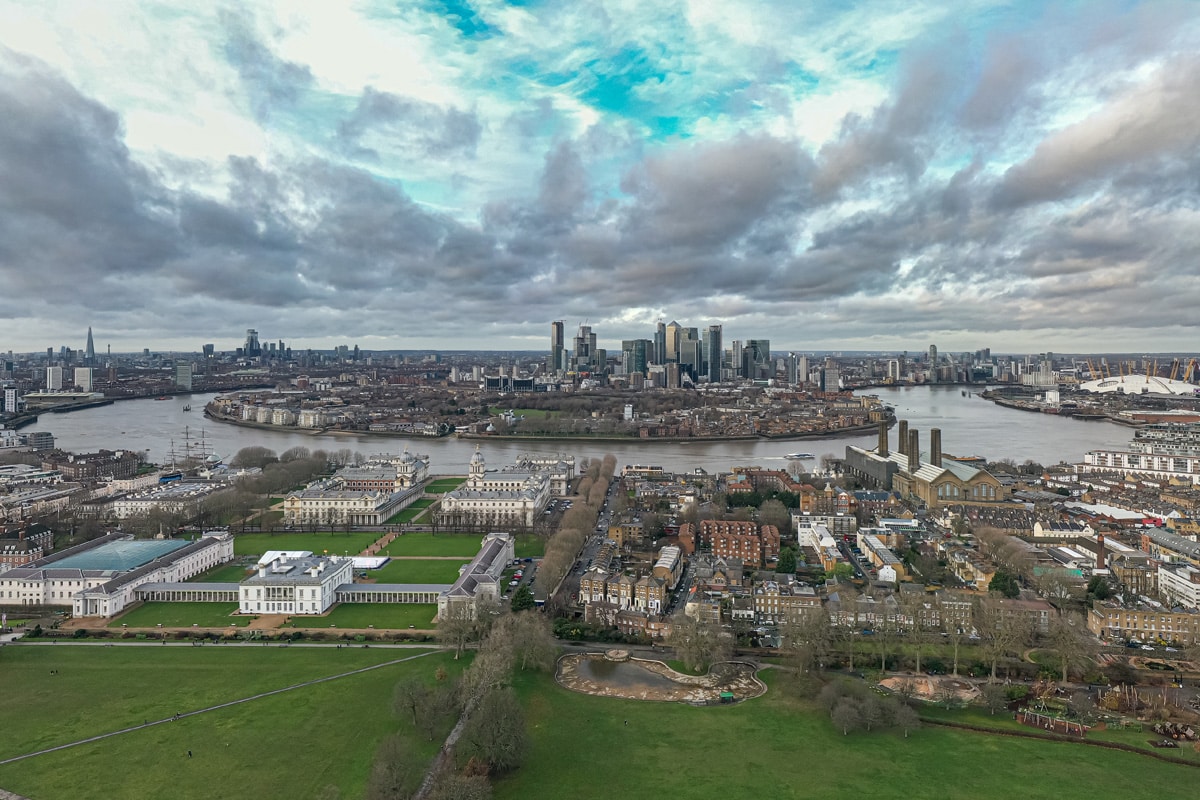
point(930, 476)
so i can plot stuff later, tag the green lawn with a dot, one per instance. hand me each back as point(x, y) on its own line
point(226, 573)
point(412, 512)
point(417, 571)
point(428, 544)
point(530, 546)
point(181, 615)
point(443, 485)
point(294, 744)
point(777, 747)
point(458, 544)
point(389, 616)
point(336, 543)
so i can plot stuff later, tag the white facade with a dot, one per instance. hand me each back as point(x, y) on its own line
point(1179, 584)
point(104, 592)
point(295, 586)
point(508, 497)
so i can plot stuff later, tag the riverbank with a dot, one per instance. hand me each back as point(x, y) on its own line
point(1085, 415)
point(836, 433)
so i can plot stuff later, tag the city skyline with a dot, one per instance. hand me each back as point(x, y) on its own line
point(455, 176)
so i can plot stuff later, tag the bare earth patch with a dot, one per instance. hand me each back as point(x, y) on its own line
point(642, 679)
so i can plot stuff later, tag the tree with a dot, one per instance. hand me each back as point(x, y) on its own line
point(495, 731)
point(529, 638)
point(409, 696)
point(846, 716)
point(917, 612)
point(905, 718)
point(396, 771)
point(957, 627)
point(1001, 631)
point(255, 456)
point(995, 697)
point(773, 512)
point(698, 643)
point(787, 561)
point(459, 627)
point(453, 786)
point(872, 712)
point(1071, 641)
point(1004, 584)
point(522, 599)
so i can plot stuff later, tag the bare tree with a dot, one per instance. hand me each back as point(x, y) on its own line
point(1002, 631)
point(846, 716)
point(1071, 642)
point(698, 643)
point(396, 771)
point(495, 731)
point(905, 718)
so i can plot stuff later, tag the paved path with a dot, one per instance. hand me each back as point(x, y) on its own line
point(330, 645)
point(214, 708)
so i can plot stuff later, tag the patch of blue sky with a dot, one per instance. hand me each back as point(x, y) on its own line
point(613, 81)
point(463, 17)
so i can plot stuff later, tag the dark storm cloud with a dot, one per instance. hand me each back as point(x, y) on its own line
point(75, 210)
point(402, 122)
point(269, 81)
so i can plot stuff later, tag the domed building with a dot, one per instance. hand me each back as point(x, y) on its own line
point(512, 496)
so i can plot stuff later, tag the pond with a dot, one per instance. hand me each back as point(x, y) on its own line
point(641, 679)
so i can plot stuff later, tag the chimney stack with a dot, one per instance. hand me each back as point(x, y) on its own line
point(914, 451)
point(935, 446)
point(882, 449)
point(902, 444)
point(1100, 552)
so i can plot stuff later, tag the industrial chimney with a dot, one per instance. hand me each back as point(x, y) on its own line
point(902, 444)
point(914, 451)
point(1100, 552)
point(882, 449)
point(935, 446)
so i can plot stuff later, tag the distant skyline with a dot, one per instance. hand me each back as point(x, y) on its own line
point(456, 175)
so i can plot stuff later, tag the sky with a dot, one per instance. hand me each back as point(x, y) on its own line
point(456, 174)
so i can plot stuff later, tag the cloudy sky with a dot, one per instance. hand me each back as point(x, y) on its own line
point(454, 174)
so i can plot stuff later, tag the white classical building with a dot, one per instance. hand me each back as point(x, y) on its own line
point(512, 496)
point(367, 494)
point(99, 578)
point(479, 580)
point(295, 585)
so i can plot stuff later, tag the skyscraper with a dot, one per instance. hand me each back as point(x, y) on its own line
point(584, 351)
point(54, 378)
point(713, 353)
point(756, 358)
point(89, 353)
point(252, 348)
point(660, 344)
point(83, 378)
point(673, 335)
point(556, 346)
point(933, 363)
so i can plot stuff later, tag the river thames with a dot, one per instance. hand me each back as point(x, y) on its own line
point(969, 424)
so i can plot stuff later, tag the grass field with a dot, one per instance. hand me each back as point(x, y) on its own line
point(778, 747)
point(226, 573)
point(428, 544)
point(443, 485)
point(417, 571)
point(458, 544)
point(409, 514)
point(181, 615)
point(530, 546)
point(336, 543)
point(389, 616)
point(293, 744)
